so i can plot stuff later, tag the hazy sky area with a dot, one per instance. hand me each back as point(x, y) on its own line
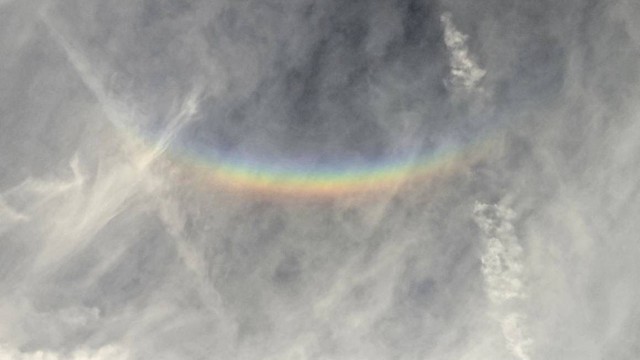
point(319, 180)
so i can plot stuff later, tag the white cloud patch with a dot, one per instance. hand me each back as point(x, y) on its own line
point(466, 74)
point(503, 272)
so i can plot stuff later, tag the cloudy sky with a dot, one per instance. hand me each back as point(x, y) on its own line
point(272, 179)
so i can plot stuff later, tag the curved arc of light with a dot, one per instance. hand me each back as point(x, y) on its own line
point(249, 175)
point(259, 177)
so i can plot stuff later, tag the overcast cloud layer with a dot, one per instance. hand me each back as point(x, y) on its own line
point(110, 248)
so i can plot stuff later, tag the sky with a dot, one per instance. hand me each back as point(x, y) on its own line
point(298, 180)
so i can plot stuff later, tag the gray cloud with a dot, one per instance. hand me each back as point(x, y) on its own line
point(114, 246)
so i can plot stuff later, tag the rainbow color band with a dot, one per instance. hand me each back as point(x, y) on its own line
point(302, 180)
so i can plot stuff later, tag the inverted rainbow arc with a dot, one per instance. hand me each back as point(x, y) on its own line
point(302, 180)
